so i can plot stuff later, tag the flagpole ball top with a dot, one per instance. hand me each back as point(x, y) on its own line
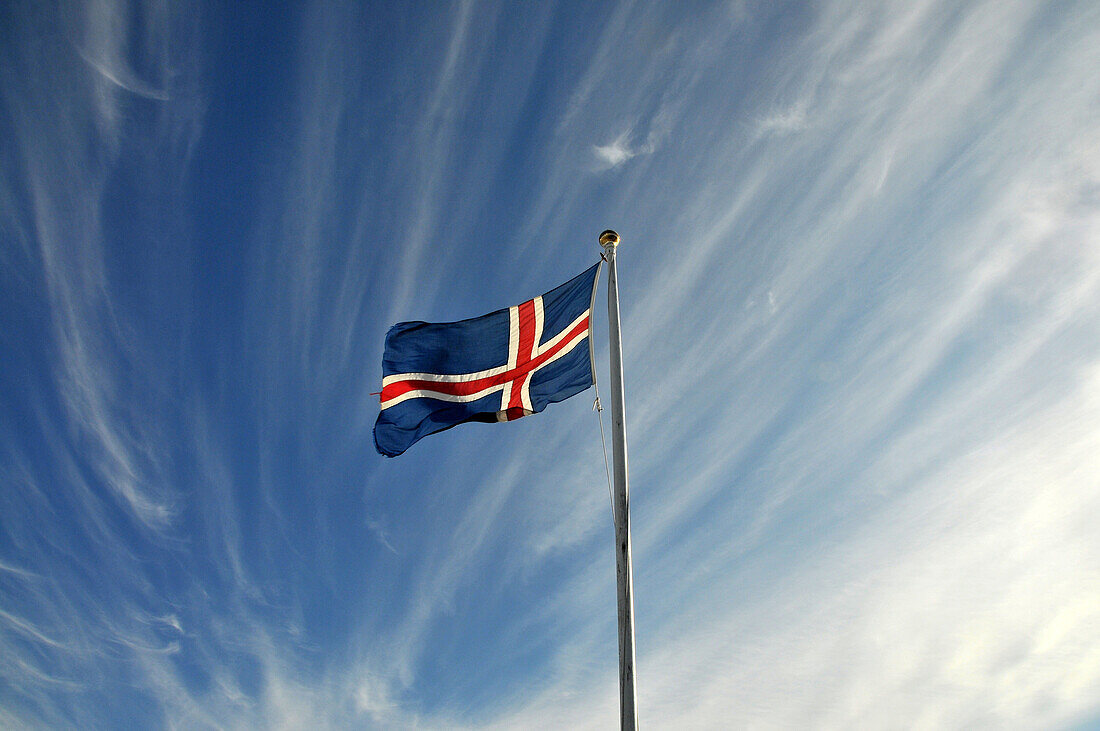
point(609, 238)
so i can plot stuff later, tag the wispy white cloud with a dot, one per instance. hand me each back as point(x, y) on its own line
point(615, 153)
point(64, 175)
point(620, 150)
point(380, 533)
point(784, 121)
point(123, 79)
point(929, 611)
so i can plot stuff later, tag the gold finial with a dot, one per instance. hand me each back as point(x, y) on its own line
point(609, 238)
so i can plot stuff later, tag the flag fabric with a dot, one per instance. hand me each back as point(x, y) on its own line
point(497, 367)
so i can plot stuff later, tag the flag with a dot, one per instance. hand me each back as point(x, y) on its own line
point(497, 367)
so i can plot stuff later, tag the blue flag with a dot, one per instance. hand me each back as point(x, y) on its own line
point(498, 367)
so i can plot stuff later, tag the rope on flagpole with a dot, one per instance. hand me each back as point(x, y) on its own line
point(607, 470)
point(596, 405)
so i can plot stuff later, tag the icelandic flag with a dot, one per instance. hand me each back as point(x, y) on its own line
point(497, 367)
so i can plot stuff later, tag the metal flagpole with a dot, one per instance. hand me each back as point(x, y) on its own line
point(628, 699)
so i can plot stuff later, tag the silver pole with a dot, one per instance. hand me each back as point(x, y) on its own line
point(628, 699)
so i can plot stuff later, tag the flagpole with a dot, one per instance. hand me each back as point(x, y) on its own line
point(628, 699)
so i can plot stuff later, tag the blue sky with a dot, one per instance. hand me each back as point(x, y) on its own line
point(860, 286)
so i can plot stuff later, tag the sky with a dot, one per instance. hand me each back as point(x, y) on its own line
point(860, 295)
